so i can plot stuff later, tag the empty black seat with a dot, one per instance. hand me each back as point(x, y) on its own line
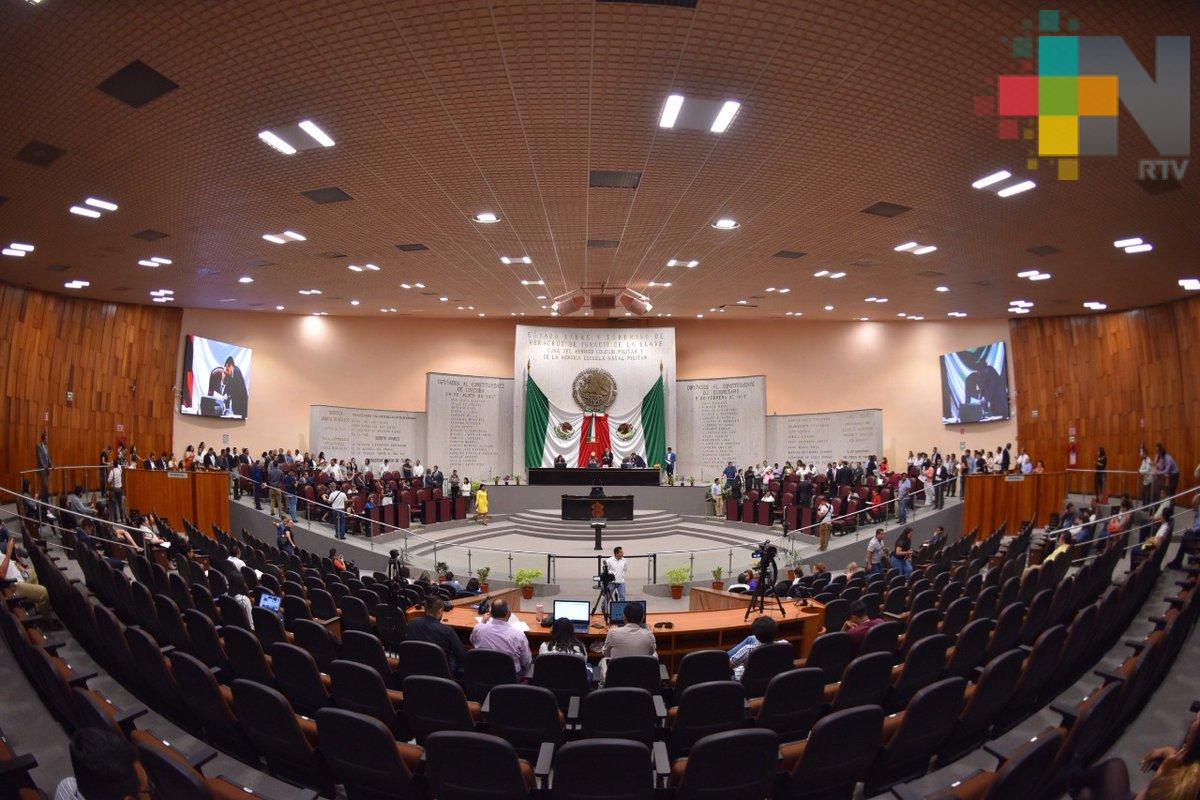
point(619, 713)
point(740, 763)
point(495, 772)
point(358, 688)
point(835, 755)
point(923, 728)
point(792, 703)
point(864, 683)
point(637, 672)
point(484, 670)
point(830, 652)
point(701, 666)
point(436, 704)
point(524, 716)
point(271, 725)
point(298, 678)
point(703, 709)
point(565, 675)
point(422, 658)
point(366, 759)
point(765, 662)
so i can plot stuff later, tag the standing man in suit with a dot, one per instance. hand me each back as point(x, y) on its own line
point(235, 388)
point(670, 465)
point(44, 464)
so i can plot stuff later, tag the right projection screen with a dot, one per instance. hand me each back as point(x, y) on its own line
point(975, 384)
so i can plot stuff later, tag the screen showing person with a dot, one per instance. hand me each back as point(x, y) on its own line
point(216, 378)
point(975, 384)
point(616, 611)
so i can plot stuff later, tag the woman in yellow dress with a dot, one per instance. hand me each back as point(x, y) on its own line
point(481, 504)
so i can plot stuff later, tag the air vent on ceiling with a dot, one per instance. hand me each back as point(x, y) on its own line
point(602, 244)
point(150, 235)
point(256, 305)
point(330, 194)
point(885, 209)
point(414, 247)
point(1043, 250)
point(59, 267)
point(790, 254)
point(430, 294)
point(1151, 186)
point(39, 154)
point(262, 263)
point(931, 273)
point(613, 179)
point(864, 262)
point(136, 84)
point(983, 283)
point(206, 271)
point(3, 200)
point(121, 288)
point(674, 3)
point(332, 254)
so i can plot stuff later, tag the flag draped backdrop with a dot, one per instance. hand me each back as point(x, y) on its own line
point(551, 431)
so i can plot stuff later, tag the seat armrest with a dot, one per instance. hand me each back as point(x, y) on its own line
point(486, 705)
point(1108, 676)
point(1135, 645)
point(1068, 713)
point(662, 762)
point(663, 674)
point(21, 763)
point(128, 715)
point(166, 650)
point(890, 615)
point(1159, 622)
point(285, 792)
point(660, 708)
point(1024, 648)
point(81, 680)
point(902, 792)
point(573, 710)
point(328, 622)
point(195, 752)
point(541, 770)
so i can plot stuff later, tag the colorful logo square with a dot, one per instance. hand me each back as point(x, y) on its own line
point(1058, 55)
point(1058, 135)
point(1098, 95)
point(1017, 95)
point(1058, 95)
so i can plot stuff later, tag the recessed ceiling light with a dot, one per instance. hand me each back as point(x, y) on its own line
point(167, 299)
point(829, 308)
point(900, 248)
point(443, 299)
point(656, 283)
point(742, 302)
point(942, 289)
point(725, 116)
point(1191, 284)
point(1140, 248)
point(670, 111)
point(699, 316)
point(554, 313)
point(158, 260)
point(516, 260)
point(145, 262)
point(864, 319)
point(821, 273)
point(1095, 305)
point(486, 218)
point(917, 318)
point(920, 251)
point(295, 236)
point(540, 297)
point(902, 314)
point(836, 275)
point(470, 308)
point(1029, 273)
point(373, 268)
point(8, 251)
point(1021, 303)
point(28, 248)
point(538, 282)
point(245, 279)
point(310, 127)
point(353, 302)
point(405, 286)
point(1131, 242)
point(309, 291)
point(770, 289)
point(870, 299)
point(85, 212)
point(1041, 276)
point(1018, 310)
point(1016, 188)
point(270, 237)
point(988, 180)
point(956, 314)
point(784, 290)
point(419, 285)
point(276, 142)
point(354, 268)
point(76, 284)
point(279, 308)
point(726, 224)
point(103, 205)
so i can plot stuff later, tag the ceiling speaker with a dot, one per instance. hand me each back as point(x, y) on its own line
point(569, 303)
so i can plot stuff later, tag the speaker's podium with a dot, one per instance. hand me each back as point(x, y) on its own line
point(598, 524)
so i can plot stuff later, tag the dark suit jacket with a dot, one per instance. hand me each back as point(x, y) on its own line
point(427, 629)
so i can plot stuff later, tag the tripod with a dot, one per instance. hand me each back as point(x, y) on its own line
point(605, 598)
point(766, 566)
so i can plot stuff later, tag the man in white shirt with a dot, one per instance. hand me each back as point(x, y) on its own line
point(824, 523)
point(876, 550)
point(116, 482)
point(337, 501)
point(616, 564)
point(714, 493)
point(419, 471)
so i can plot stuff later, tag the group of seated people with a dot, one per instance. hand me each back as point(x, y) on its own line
point(606, 459)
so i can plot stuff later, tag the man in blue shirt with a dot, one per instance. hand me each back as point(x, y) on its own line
point(762, 631)
point(730, 473)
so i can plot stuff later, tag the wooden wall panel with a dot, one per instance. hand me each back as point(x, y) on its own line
point(993, 499)
point(51, 344)
point(1120, 379)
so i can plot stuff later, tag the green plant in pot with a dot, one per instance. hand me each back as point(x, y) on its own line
point(442, 568)
point(676, 578)
point(691, 480)
point(717, 574)
point(482, 573)
point(525, 578)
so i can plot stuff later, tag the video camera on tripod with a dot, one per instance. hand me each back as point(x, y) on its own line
point(768, 573)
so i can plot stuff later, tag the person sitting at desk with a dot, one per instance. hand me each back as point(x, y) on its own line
point(607, 459)
point(560, 462)
point(638, 461)
point(631, 639)
point(495, 633)
point(626, 462)
point(428, 627)
point(563, 640)
point(592, 462)
point(452, 582)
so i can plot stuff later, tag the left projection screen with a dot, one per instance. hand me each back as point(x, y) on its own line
point(216, 379)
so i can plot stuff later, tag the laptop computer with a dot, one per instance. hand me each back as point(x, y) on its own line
point(578, 611)
point(616, 609)
point(269, 601)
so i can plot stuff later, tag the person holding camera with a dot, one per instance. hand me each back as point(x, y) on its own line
point(616, 565)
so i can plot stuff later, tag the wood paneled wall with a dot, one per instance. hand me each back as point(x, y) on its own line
point(1120, 379)
point(51, 344)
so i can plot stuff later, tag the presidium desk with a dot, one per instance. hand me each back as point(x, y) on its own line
point(714, 620)
point(590, 476)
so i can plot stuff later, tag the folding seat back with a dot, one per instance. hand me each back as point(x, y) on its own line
point(565, 675)
point(246, 656)
point(358, 688)
point(836, 614)
point(154, 674)
point(317, 640)
point(364, 756)
point(294, 607)
point(365, 648)
point(212, 705)
point(268, 626)
point(484, 670)
point(626, 774)
point(864, 683)
point(495, 773)
point(831, 652)
point(298, 678)
point(322, 604)
point(1007, 634)
point(955, 616)
point(435, 704)
point(970, 648)
point(231, 612)
point(836, 754)
point(984, 702)
point(524, 716)
point(619, 714)
point(792, 703)
point(923, 665)
point(701, 666)
point(272, 726)
point(882, 638)
point(355, 614)
point(765, 662)
point(169, 774)
point(703, 709)
point(422, 658)
point(171, 623)
point(1035, 674)
point(1036, 616)
point(928, 720)
point(206, 642)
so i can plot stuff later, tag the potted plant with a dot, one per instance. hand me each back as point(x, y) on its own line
point(442, 568)
point(495, 480)
point(517, 480)
point(717, 574)
point(676, 578)
point(482, 573)
point(691, 480)
point(525, 578)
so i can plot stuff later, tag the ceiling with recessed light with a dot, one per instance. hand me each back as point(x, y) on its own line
point(469, 158)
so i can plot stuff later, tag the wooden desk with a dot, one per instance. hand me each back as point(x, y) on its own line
point(692, 630)
point(593, 476)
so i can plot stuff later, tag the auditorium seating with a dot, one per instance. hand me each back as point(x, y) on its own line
point(964, 679)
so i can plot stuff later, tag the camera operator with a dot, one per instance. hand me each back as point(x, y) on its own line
point(616, 564)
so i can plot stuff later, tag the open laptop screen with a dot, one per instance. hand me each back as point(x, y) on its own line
point(616, 609)
point(578, 611)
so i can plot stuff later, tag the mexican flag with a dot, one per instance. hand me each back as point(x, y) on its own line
point(551, 431)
